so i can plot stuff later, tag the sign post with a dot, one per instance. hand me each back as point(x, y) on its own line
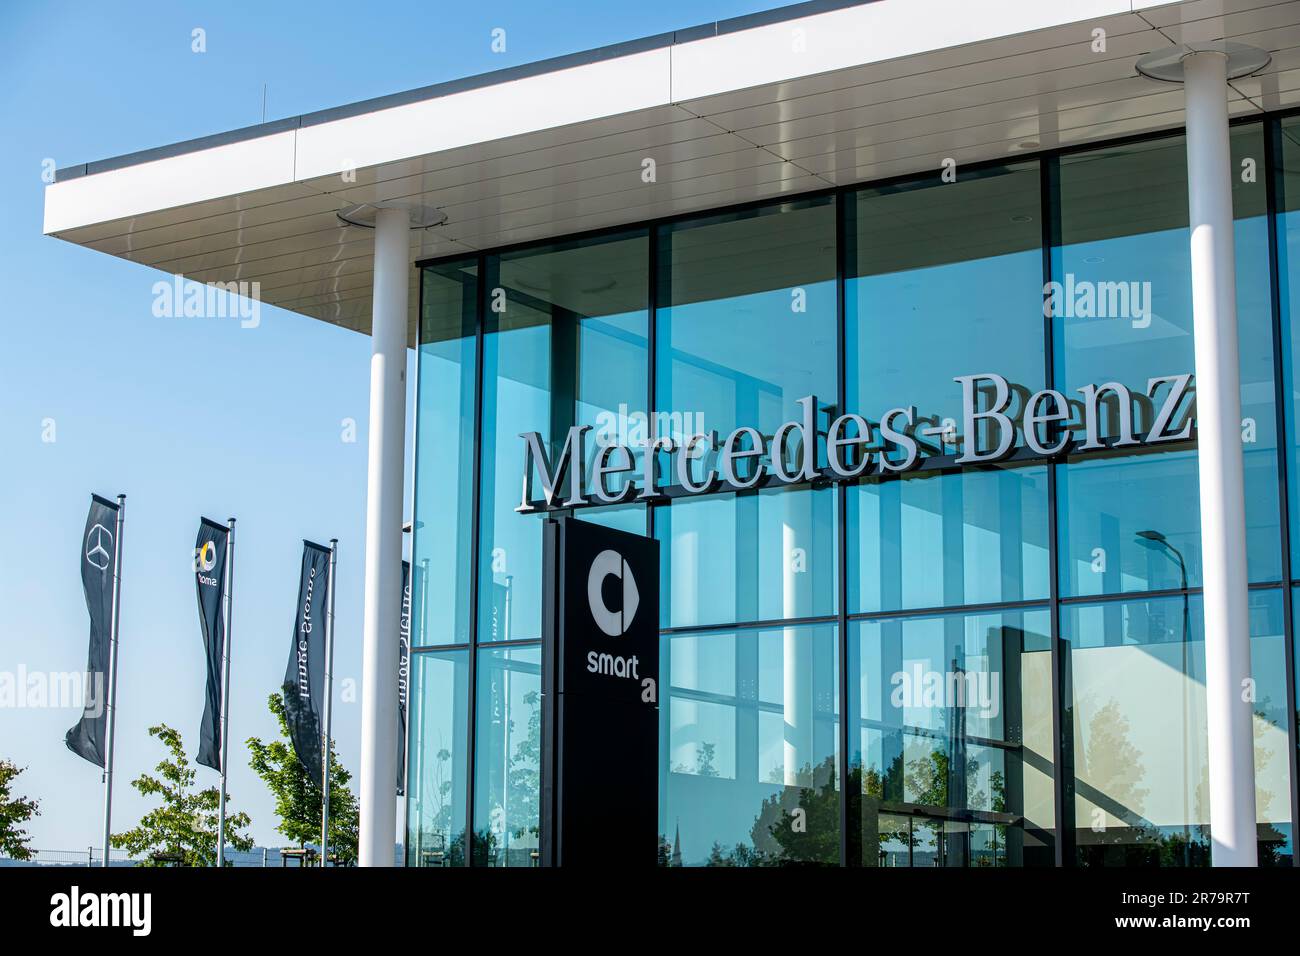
point(600, 702)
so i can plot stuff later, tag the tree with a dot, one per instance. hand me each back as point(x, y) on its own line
point(524, 777)
point(799, 825)
point(14, 811)
point(298, 794)
point(185, 826)
point(433, 817)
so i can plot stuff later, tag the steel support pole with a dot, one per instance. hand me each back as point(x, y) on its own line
point(1223, 502)
point(383, 575)
point(327, 756)
point(220, 859)
point(111, 701)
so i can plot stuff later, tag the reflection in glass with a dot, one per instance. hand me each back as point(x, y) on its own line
point(746, 319)
point(942, 280)
point(1137, 695)
point(629, 517)
point(436, 758)
point(444, 422)
point(1105, 504)
point(953, 745)
point(972, 537)
point(1124, 259)
point(1288, 278)
point(748, 748)
point(565, 344)
point(945, 279)
point(507, 756)
point(732, 558)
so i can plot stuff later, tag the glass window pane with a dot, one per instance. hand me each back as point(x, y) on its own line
point(565, 344)
point(1137, 695)
point(507, 756)
point(1125, 315)
point(444, 451)
point(971, 537)
point(748, 748)
point(1130, 523)
point(1273, 773)
point(950, 275)
point(436, 759)
point(757, 557)
point(746, 327)
point(746, 319)
point(1288, 278)
point(953, 746)
point(946, 279)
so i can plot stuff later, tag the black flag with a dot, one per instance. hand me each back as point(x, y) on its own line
point(98, 566)
point(403, 676)
point(210, 582)
point(304, 675)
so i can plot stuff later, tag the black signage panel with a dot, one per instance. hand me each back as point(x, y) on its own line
point(600, 673)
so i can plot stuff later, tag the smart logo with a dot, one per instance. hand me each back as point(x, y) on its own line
point(613, 623)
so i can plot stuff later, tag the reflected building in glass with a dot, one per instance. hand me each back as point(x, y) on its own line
point(979, 665)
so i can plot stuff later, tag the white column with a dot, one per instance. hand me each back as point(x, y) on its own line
point(1223, 503)
point(383, 595)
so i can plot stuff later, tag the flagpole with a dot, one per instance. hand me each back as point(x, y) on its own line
point(329, 695)
point(225, 691)
point(111, 702)
point(415, 713)
point(424, 595)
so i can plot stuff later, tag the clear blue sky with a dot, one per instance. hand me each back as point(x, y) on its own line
point(195, 416)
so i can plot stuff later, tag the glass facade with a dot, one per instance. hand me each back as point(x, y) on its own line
point(990, 664)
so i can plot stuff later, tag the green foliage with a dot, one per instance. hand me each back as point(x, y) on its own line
point(800, 824)
point(524, 777)
point(185, 826)
point(795, 826)
point(298, 796)
point(704, 758)
point(664, 852)
point(14, 811)
point(433, 818)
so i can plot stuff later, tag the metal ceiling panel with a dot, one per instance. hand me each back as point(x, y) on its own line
point(729, 114)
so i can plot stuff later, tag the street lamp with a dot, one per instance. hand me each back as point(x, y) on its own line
point(1156, 541)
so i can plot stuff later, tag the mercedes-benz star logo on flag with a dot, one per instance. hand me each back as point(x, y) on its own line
point(99, 543)
point(613, 623)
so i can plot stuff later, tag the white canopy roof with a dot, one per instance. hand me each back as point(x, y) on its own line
point(797, 99)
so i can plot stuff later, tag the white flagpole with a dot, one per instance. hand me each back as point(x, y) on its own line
point(111, 701)
point(329, 696)
point(225, 691)
point(424, 595)
point(415, 715)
